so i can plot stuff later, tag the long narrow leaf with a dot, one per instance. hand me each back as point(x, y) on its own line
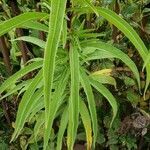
point(129, 32)
point(63, 126)
point(19, 20)
point(36, 107)
point(106, 93)
point(26, 104)
point(91, 103)
point(74, 97)
point(123, 26)
point(35, 25)
point(32, 40)
point(15, 89)
point(91, 6)
point(11, 80)
point(85, 116)
point(55, 26)
point(114, 52)
point(40, 121)
point(55, 104)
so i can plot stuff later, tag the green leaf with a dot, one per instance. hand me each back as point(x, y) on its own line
point(91, 35)
point(91, 6)
point(132, 97)
point(85, 116)
point(18, 21)
point(55, 26)
point(62, 128)
point(32, 40)
point(147, 61)
point(123, 26)
point(114, 52)
point(25, 106)
point(36, 107)
point(64, 33)
point(129, 32)
point(35, 25)
point(92, 54)
point(106, 93)
point(128, 81)
point(104, 79)
point(91, 103)
point(74, 97)
point(15, 89)
point(11, 80)
point(55, 104)
point(40, 121)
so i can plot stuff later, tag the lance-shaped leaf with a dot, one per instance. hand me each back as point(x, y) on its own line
point(88, 2)
point(11, 80)
point(91, 103)
point(120, 23)
point(62, 128)
point(36, 107)
point(35, 25)
point(15, 89)
point(39, 123)
point(123, 26)
point(86, 119)
point(55, 104)
point(74, 98)
point(55, 26)
point(18, 21)
point(25, 107)
point(32, 40)
point(115, 53)
point(107, 94)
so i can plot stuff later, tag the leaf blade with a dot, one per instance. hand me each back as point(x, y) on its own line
point(26, 104)
point(91, 103)
point(55, 26)
point(74, 97)
point(114, 52)
point(11, 80)
point(19, 20)
point(86, 119)
point(106, 93)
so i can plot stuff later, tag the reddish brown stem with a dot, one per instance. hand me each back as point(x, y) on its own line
point(42, 35)
point(22, 45)
point(69, 15)
point(5, 53)
point(114, 29)
point(19, 32)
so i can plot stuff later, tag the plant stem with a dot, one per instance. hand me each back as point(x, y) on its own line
point(114, 28)
point(69, 15)
point(19, 32)
point(42, 35)
point(5, 53)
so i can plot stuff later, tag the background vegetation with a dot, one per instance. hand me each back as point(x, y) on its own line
point(74, 74)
